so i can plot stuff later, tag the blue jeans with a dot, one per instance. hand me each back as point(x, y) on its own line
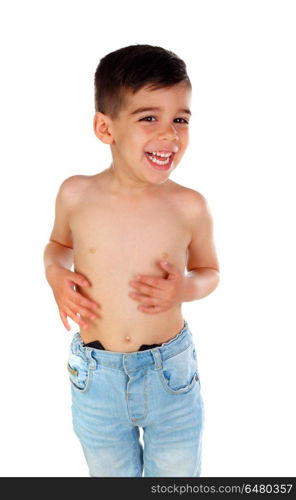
point(114, 394)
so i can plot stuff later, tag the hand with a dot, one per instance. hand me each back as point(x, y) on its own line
point(69, 301)
point(157, 294)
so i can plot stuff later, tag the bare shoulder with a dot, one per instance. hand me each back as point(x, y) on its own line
point(72, 190)
point(67, 197)
point(74, 184)
point(193, 201)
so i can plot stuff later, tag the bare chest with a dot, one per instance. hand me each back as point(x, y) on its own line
point(120, 240)
point(113, 241)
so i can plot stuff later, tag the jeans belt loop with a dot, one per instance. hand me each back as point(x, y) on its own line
point(92, 360)
point(157, 358)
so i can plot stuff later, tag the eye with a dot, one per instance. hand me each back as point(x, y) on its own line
point(146, 118)
point(183, 120)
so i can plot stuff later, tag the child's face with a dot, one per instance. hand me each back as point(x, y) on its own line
point(164, 130)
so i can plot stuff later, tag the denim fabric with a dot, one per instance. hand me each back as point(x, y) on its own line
point(114, 394)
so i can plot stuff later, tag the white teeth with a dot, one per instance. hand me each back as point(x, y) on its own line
point(159, 162)
point(163, 155)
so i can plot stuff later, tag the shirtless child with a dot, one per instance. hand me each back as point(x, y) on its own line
point(131, 232)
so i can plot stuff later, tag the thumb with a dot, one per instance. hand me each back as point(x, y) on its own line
point(167, 266)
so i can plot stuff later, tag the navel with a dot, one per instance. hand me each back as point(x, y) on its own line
point(92, 250)
point(164, 256)
point(127, 338)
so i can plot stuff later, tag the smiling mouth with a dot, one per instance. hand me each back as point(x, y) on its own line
point(160, 162)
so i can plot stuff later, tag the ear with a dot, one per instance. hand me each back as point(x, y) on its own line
point(102, 128)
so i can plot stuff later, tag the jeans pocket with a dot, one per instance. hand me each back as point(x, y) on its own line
point(179, 373)
point(79, 372)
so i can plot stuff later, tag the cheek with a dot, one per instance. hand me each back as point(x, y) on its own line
point(145, 132)
point(139, 142)
point(184, 136)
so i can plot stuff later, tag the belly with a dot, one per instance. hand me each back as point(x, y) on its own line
point(121, 327)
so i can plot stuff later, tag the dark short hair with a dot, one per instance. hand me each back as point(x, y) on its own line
point(132, 68)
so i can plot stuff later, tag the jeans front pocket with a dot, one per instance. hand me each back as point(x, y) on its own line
point(179, 373)
point(79, 371)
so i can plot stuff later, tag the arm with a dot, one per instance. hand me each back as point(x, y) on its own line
point(57, 255)
point(58, 260)
point(199, 283)
point(202, 264)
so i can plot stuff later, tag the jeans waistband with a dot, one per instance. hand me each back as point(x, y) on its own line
point(138, 359)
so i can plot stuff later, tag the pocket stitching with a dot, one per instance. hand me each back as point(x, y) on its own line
point(183, 390)
point(195, 378)
point(174, 354)
point(87, 381)
point(72, 370)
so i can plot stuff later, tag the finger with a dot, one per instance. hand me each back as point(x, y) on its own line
point(150, 310)
point(153, 281)
point(78, 279)
point(144, 299)
point(76, 318)
point(83, 311)
point(80, 300)
point(146, 288)
point(170, 269)
point(64, 320)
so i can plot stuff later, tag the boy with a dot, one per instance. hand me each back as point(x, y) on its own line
point(130, 231)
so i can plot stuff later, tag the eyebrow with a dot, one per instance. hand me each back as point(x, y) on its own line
point(141, 110)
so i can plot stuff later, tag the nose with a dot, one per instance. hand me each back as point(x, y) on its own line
point(169, 133)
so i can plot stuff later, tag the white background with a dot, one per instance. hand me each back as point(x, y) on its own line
point(240, 57)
